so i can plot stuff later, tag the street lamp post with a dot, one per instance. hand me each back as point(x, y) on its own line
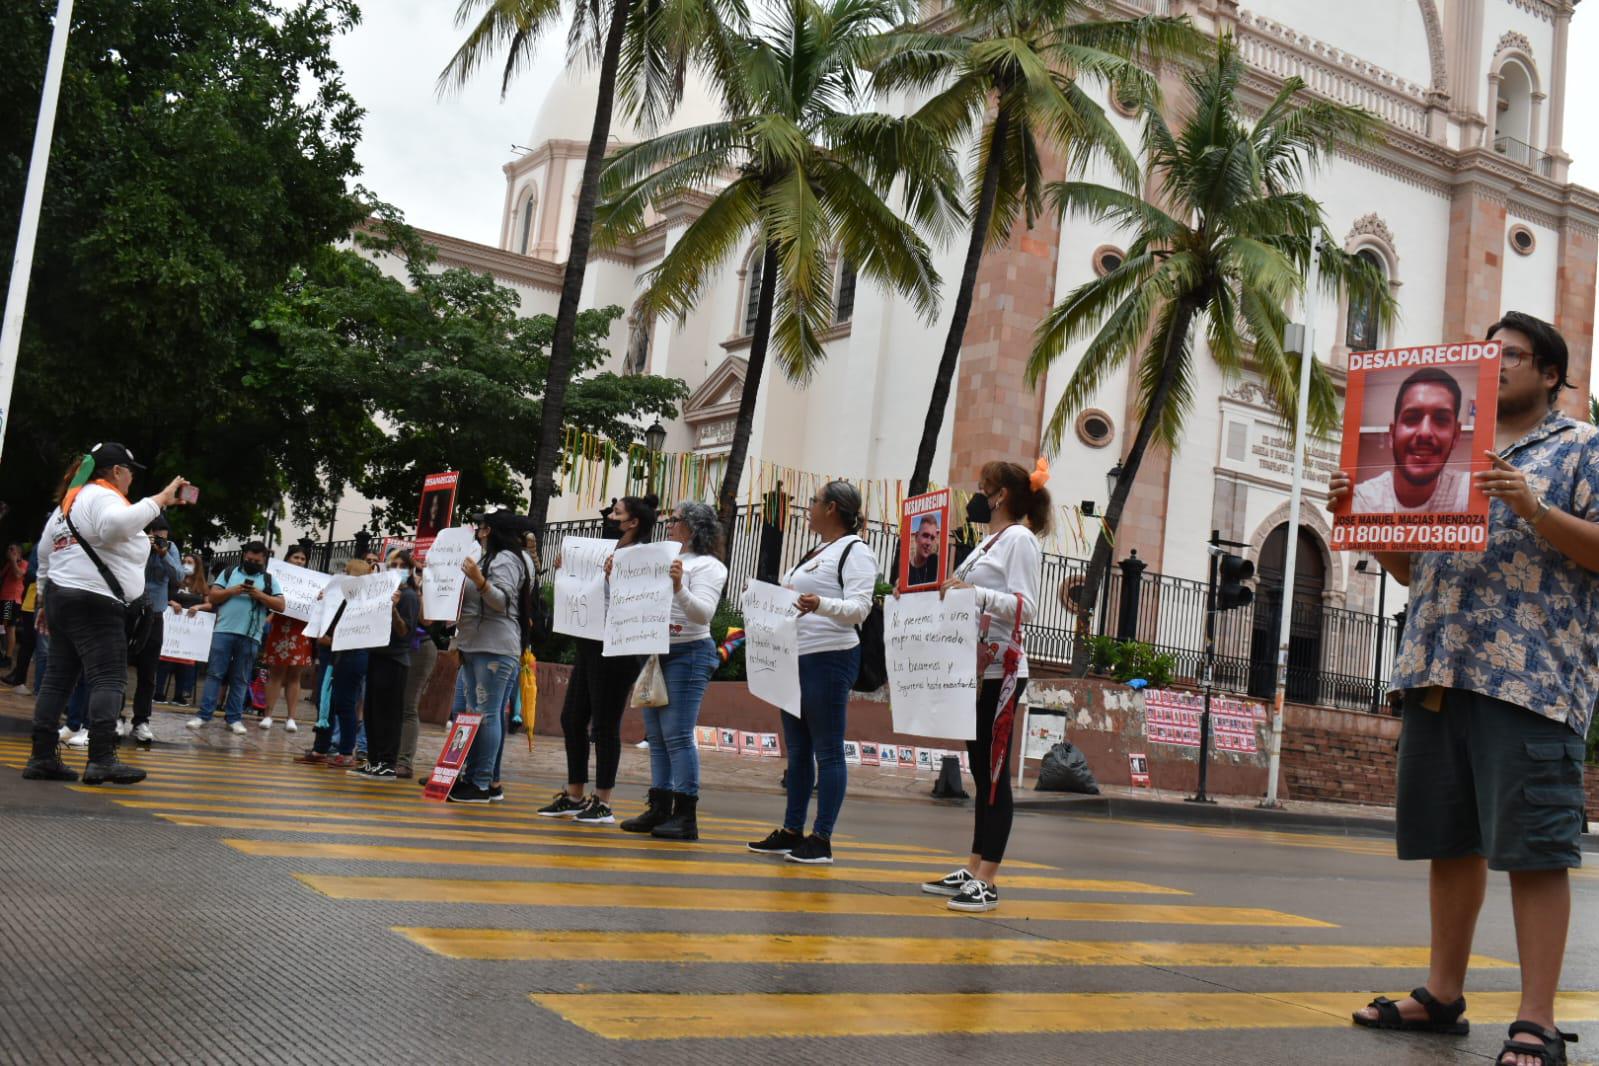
point(654, 440)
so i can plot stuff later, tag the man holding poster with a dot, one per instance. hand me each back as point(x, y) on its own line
point(1497, 670)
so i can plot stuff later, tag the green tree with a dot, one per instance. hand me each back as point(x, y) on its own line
point(644, 46)
point(1008, 71)
point(201, 150)
point(1229, 253)
point(811, 175)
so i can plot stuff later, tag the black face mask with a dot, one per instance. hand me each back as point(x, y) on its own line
point(251, 568)
point(979, 510)
point(611, 529)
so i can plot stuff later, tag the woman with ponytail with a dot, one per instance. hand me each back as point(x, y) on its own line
point(1004, 572)
point(597, 694)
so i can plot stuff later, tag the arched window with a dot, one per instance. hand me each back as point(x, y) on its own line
point(529, 204)
point(752, 292)
point(844, 305)
point(1362, 332)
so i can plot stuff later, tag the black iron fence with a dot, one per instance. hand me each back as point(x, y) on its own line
point(1336, 657)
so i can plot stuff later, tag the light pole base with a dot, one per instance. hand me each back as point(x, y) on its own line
point(1270, 805)
point(1200, 799)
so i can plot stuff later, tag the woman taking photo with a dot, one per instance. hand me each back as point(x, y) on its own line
point(697, 579)
point(835, 581)
point(286, 654)
point(597, 696)
point(1004, 571)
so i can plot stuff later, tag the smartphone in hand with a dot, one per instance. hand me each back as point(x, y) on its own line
point(189, 494)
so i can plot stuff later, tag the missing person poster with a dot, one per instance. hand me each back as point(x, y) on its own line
point(924, 542)
point(452, 757)
point(436, 511)
point(1417, 422)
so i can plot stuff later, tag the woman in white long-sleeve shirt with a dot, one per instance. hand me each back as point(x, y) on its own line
point(1004, 571)
point(835, 581)
point(697, 579)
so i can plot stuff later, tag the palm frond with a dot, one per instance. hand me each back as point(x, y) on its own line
point(674, 285)
point(512, 25)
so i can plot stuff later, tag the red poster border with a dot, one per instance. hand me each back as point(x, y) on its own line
point(450, 479)
point(447, 771)
point(912, 507)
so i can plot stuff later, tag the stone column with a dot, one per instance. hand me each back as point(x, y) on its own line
point(552, 199)
point(1561, 162)
point(1464, 34)
point(1575, 283)
point(1475, 265)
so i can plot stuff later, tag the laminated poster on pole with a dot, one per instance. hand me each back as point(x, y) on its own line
point(443, 580)
point(1418, 423)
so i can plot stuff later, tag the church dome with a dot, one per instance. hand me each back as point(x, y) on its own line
point(567, 113)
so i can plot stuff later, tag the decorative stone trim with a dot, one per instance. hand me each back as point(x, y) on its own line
point(1435, 49)
point(1372, 225)
point(1521, 239)
point(1097, 261)
point(1514, 42)
point(1096, 428)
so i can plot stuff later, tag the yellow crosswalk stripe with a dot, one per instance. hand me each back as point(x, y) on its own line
point(753, 866)
point(639, 1016)
point(584, 945)
point(658, 897)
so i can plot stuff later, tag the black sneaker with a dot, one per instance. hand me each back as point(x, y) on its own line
point(596, 812)
point(379, 772)
point(496, 794)
point(975, 895)
point(813, 850)
point(563, 807)
point(777, 842)
point(366, 769)
point(948, 886)
point(463, 793)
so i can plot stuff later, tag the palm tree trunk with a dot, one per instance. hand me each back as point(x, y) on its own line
point(1099, 563)
point(727, 499)
point(963, 305)
point(564, 341)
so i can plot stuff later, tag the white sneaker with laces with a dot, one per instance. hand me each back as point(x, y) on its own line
point(142, 734)
point(194, 723)
point(289, 726)
point(266, 722)
point(23, 690)
point(975, 895)
point(63, 733)
point(80, 739)
point(124, 727)
point(237, 728)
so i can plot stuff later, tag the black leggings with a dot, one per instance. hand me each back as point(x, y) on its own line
point(991, 832)
point(597, 695)
point(385, 706)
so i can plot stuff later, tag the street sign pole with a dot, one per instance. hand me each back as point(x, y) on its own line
point(1210, 670)
point(32, 201)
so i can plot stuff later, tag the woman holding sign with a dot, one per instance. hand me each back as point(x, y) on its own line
point(286, 655)
point(835, 581)
point(1004, 571)
point(697, 579)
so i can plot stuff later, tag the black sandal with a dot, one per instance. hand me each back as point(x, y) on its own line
point(1441, 1017)
point(1552, 1052)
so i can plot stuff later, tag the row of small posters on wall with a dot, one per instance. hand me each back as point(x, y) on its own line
point(856, 752)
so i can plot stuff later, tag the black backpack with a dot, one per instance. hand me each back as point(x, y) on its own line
point(873, 673)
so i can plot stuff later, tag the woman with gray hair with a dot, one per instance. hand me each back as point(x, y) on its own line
point(697, 579)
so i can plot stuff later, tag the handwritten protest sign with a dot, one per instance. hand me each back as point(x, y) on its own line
point(327, 608)
point(443, 579)
point(368, 620)
point(301, 587)
point(187, 639)
point(580, 587)
point(932, 663)
point(638, 619)
point(771, 644)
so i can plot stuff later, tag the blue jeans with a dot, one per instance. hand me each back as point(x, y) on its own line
point(232, 659)
point(184, 672)
point(489, 679)
point(815, 739)
point(344, 700)
point(674, 756)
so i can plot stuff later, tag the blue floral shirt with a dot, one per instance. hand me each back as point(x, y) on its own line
point(1519, 621)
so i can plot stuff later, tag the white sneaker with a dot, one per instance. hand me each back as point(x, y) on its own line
point(23, 690)
point(63, 733)
point(124, 727)
point(142, 734)
point(194, 723)
point(80, 739)
point(289, 726)
point(266, 723)
point(237, 728)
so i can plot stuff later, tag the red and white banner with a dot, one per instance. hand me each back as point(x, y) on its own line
point(437, 510)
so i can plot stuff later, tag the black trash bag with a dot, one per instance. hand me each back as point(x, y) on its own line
point(1066, 769)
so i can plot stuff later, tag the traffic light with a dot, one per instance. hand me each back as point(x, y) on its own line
point(1231, 573)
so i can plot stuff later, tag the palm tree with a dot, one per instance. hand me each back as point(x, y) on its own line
point(1231, 252)
point(810, 176)
point(646, 46)
point(1010, 69)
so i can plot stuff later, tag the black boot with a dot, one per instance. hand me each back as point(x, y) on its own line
point(45, 764)
point(658, 811)
point(683, 824)
point(103, 763)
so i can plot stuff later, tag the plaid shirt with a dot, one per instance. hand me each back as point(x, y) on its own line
point(1519, 621)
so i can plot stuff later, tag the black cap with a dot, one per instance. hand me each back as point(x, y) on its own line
point(504, 518)
point(109, 453)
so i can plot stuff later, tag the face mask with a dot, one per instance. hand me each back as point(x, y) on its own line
point(611, 529)
point(250, 568)
point(979, 510)
point(188, 569)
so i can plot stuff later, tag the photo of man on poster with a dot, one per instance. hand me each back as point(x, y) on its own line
point(925, 543)
point(1427, 424)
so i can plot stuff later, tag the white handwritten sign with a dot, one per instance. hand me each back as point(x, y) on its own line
point(300, 586)
point(771, 644)
point(326, 608)
point(931, 646)
point(368, 620)
point(580, 587)
point(443, 579)
point(187, 639)
point(640, 615)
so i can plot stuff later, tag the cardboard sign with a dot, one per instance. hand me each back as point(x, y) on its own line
point(301, 588)
point(924, 541)
point(580, 587)
point(931, 645)
point(187, 639)
point(639, 618)
point(436, 511)
point(453, 756)
point(1138, 768)
point(368, 620)
point(771, 645)
point(443, 580)
point(1417, 423)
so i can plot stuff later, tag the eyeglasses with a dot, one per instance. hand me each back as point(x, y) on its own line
point(675, 519)
point(1514, 357)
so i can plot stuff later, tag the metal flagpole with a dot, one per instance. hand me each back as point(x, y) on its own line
point(32, 201)
point(1307, 353)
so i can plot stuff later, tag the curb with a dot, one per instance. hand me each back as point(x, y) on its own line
point(1145, 810)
